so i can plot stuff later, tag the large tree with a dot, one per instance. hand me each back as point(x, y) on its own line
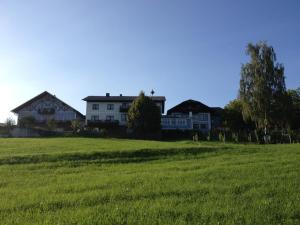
point(144, 115)
point(262, 88)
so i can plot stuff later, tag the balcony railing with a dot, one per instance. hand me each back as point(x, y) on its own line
point(103, 123)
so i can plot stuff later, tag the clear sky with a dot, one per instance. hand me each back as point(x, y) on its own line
point(183, 49)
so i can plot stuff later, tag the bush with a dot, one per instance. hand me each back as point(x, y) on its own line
point(177, 134)
point(51, 124)
point(103, 132)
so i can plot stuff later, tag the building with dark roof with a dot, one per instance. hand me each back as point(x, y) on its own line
point(191, 115)
point(113, 109)
point(45, 107)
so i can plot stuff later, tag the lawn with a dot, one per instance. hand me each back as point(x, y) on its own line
point(110, 181)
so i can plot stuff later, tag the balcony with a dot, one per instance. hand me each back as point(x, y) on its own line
point(124, 109)
point(46, 111)
point(103, 123)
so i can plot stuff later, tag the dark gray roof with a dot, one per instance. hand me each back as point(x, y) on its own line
point(119, 98)
point(190, 106)
point(195, 107)
point(16, 110)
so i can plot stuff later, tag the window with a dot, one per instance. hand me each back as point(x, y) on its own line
point(95, 106)
point(165, 121)
point(173, 121)
point(196, 126)
point(125, 105)
point(110, 118)
point(110, 106)
point(203, 126)
point(124, 117)
point(94, 118)
point(203, 116)
point(181, 122)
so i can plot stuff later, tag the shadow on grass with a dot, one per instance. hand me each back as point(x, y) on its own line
point(45, 207)
point(142, 155)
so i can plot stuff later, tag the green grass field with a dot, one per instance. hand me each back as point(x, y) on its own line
point(110, 181)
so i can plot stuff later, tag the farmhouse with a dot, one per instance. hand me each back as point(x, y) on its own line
point(45, 107)
point(113, 109)
point(191, 115)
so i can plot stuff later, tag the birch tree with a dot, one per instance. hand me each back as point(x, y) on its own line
point(262, 88)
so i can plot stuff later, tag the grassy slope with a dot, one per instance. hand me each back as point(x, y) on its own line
point(93, 181)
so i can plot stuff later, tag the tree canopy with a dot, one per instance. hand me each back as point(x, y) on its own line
point(294, 108)
point(262, 87)
point(233, 117)
point(144, 115)
point(9, 123)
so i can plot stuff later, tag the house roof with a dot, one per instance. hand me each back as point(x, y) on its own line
point(119, 98)
point(190, 106)
point(216, 110)
point(45, 93)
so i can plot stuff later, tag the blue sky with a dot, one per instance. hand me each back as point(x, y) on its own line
point(188, 49)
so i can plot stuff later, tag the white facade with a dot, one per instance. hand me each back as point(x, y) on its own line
point(100, 109)
point(178, 121)
point(105, 111)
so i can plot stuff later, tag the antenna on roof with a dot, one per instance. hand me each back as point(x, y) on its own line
point(152, 92)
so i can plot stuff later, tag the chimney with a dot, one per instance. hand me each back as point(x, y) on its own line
point(107, 94)
point(121, 95)
point(190, 114)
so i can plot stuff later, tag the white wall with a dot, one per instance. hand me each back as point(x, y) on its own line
point(103, 112)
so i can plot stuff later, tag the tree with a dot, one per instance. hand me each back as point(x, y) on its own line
point(75, 125)
point(233, 117)
point(262, 88)
point(144, 115)
point(9, 123)
point(294, 108)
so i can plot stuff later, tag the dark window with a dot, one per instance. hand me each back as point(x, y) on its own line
point(110, 106)
point(110, 118)
point(123, 117)
point(125, 104)
point(94, 118)
point(203, 126)
point(181, 122)
point(196, 126)
point(203, 116)
point(95, 106)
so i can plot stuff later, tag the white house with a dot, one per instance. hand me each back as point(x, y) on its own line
point(113, 109)
point(191, 115)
